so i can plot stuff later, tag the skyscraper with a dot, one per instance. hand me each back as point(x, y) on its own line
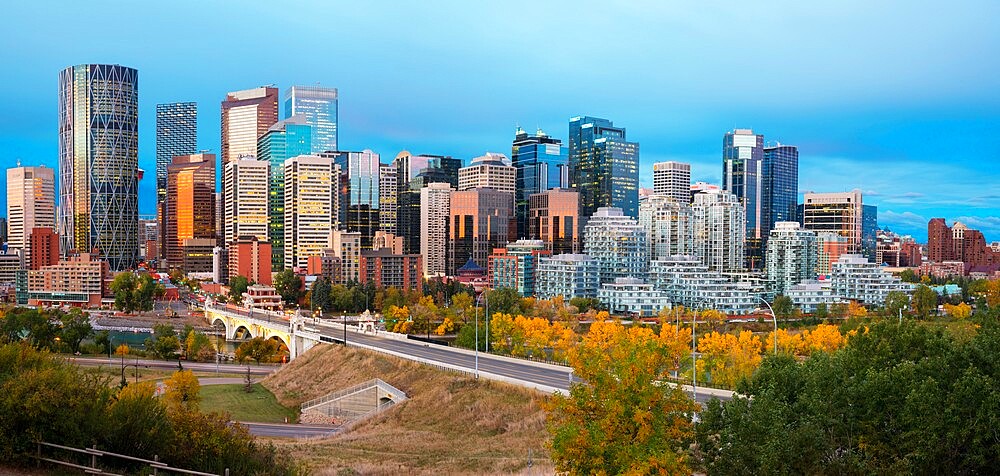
point(98, 162)
point(288, 138)
point(176, 134)
point(791, 256)
point(742, 175)
point(247, 115)
point(319, 107)
point(31, 203)
point(673, 180)
point(618, 244)
point(360, 201)
point(478, 223)
point(388, 197)
point(540, 163)
point(781, 185)
point(246, 201)
point(190, 208)
point(869, 231)
point(719, 230)
point(435, 205)
point(488, 171)
point(841, 213)
point(414, 172)
point(310, 206)
point(554, 218)
point(603, 166)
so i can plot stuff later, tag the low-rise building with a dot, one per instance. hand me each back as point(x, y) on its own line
point(81, 280)
point(515, 266)
point(855, 278)
point(258, 296)
point(11, 261)
point(809, 294)
point(687, 281)
point(198, 255)
point(392, 270)
point(567, 275)
point(944, 269)
point(632, 296)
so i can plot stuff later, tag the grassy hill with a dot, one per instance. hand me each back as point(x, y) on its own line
point(452, 424)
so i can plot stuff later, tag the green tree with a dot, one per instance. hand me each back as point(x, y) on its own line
point(321, 298)
point(289, 286)
point(123, 287)
point(74, 328)
point(621, 419)
point(924, 301)
point(783, 307)
point(895, 302)
point(505, 301)
point(237, 286)
point(583, 304)
point(146, 291)
point(908, 276)
point(257, 349)
point(164, 342)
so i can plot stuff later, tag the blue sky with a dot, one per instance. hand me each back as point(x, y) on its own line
point(899, 99)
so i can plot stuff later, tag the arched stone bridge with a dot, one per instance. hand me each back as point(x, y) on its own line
point(241, 324)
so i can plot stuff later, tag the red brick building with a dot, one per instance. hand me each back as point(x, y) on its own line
point(250, 258)
point(392, 270)
point(44, 248)
point(960, 243)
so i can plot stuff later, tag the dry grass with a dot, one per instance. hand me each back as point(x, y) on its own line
point(452, 424)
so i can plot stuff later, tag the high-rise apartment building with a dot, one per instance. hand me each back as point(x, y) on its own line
point(719, 228)
point(673, 180)
point(176, 134)
point(567, 275)
point(247, 115)
point(869, 231)
point(288, 138)
point(190, 207)
point(540, 164)
point(840, 213)
point(246, 201)
point(618, 243)
point(669, 225)
point(489, 171)
point(435, 206)
point(310, 207)
point(388, 197)
point(99, 162)
point(554, 218)
point(687, 281)
point(386, 269)
point(31, 203)
point(830, 246)
point(514, 266)
point(603, 166)
point(360, 201)
point(478, 222)
point(319, 107)
point(346, 246)
point(791, 256)
point(960, 243)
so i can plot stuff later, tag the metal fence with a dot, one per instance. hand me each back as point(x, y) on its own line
point(155, 465)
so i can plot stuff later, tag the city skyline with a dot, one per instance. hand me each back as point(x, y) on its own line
point(910, 134)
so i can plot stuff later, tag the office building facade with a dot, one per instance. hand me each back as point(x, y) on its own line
point(781, 186)
point(319, 108)
point(841, 213)
point(488, 171)
point(673, 180)
point(190, 206)
point(246, 115)
point(247, 185)
point(176, 134)
point(435, 206)
point(99, 163)
point(359, 202)
point(540, 164)
point(478, 223)
point(310, 207)
point(284, 140)
point(603, 166)
point(44, 248)
point(31, 203)
point(554, 218)
point(388, 197)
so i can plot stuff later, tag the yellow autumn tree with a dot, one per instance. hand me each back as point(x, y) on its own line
point(824, 338)
point(855, 309)
point(182, 391)
point(712, 317)
point(992, 292)
point(958, 311)
point(677, 342)
point(728, 358)
point(501, 332)
point(620, 419)
point(788, 343)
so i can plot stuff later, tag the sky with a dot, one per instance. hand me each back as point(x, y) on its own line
point(900, 99)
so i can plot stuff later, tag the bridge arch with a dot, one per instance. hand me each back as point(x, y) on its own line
point(242, 332)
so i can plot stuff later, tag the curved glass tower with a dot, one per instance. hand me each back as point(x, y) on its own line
point(98, 162)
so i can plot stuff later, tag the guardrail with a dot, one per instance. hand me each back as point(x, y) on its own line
point(95, 453)
point(384, 386)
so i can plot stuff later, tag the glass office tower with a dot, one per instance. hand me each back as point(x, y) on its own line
point(781, 186)
point(541, 165)
point(99, 162)
point(742, 175)
point(176, 134)
point(319, 107)
point(289, 138)
point(360, 201)
point(603, 166)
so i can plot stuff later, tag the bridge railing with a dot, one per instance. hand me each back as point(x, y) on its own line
point(385, 387)
point(279, 319)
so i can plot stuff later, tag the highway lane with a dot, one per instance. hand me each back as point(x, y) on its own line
point(289, 430)
point(543, 374)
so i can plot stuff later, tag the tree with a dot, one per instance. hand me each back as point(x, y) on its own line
point(289, 286)
point(895, 302)
point(583, 304)
point(320, 298)
point(924, 301)
point(908, 276)
point(958, 311)
point(164, 342)
point(821, 313)
point(237, 286)
point(621, 419)
point(505, 301)
point(123, 287)
point(258, 349)
point(182, 392)
point(783, 307)
point(728, 358)
point(74, 328)
point(856, 309)
point(146, 291)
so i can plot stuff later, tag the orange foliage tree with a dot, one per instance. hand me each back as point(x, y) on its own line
point(728, 358)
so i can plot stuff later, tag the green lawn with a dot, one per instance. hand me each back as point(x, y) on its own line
point(257, 406)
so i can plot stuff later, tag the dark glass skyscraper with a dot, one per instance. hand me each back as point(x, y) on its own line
point(603, 166)
point(319, 107)
point(99, 162)
point(869, 231)
point(359, 203)
point(742, 175)
point(781, 185)
point(432, 169)
point(541, 165)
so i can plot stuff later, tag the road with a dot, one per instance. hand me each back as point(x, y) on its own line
point(172, 364)
point(549, 375)
point(289, 430)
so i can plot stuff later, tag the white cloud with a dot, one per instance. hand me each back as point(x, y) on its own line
point(904, 219)
point(990, 226)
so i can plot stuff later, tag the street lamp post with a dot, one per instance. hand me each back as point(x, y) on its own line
point(477, 335)
point(345, 329)
point(694, 357)
point(775, 318)
point(487, 293)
